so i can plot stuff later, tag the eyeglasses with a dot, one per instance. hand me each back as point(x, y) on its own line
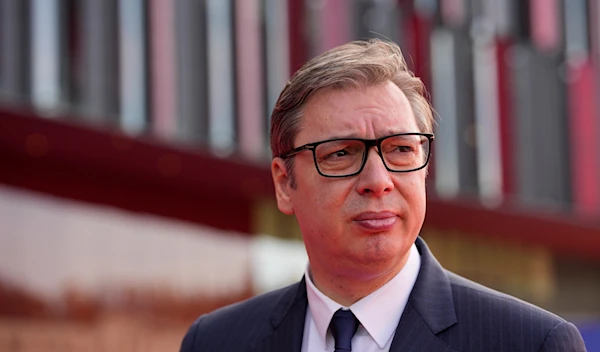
point(343, 157)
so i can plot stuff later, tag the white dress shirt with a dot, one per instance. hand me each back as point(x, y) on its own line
point(378, 313)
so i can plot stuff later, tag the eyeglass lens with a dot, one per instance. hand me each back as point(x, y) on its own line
point(346, 157)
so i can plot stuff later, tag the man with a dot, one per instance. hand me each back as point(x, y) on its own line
point(351, 135)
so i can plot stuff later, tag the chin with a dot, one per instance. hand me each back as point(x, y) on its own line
point(381, 252)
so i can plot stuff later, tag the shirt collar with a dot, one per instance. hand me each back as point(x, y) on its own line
point(379, 312)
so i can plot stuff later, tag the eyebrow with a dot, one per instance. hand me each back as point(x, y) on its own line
point(356, 135)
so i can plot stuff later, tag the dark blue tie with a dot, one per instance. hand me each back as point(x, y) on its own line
point(343, 326)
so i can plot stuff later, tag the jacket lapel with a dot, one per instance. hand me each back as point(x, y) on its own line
point(413, 334)
point(287, 322)
point(430, 308)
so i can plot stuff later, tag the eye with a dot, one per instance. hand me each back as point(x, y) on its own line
point(337, 154)
point(342, 152)
point(339, 149)
point(405, 148)
point(399, 149)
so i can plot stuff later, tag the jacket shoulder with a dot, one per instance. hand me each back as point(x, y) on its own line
point(504, 321)
point(469, 294)
point(238, 324)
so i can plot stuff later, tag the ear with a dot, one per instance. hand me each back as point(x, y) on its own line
point(281, 182)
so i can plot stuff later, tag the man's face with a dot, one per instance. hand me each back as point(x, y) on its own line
point(360, 226)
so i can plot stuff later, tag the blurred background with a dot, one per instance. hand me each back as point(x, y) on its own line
point(135, 190)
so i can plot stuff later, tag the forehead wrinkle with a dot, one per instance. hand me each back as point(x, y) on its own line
point(369, 114)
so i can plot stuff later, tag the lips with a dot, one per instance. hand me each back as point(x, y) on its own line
point(376, 221)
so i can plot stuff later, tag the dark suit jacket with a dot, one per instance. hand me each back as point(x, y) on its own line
point(445, 312)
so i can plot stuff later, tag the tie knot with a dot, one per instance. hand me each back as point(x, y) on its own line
point(343, 326)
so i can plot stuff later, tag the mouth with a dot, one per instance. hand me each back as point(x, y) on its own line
point(376, 221)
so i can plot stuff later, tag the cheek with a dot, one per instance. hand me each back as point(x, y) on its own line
point(334, 203)
point(412, 182)
point(326, 193)
point(412, 190)
point(416, 190)
point(416, 197)
point(321, 208)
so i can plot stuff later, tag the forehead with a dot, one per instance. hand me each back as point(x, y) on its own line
point(369, 112)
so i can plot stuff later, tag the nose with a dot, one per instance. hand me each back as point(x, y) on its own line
point(374, 179)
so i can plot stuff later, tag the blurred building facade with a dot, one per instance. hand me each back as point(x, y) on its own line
point(514, 82)
point(162, 107)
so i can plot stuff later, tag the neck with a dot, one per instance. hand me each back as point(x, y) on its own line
point(349, 289)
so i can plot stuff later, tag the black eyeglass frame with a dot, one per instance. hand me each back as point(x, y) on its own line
point(368, 144)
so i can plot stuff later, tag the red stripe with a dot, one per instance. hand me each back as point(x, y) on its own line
point(584, 140)
point(112, 169)
point(505, 115)
point(298, 41)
